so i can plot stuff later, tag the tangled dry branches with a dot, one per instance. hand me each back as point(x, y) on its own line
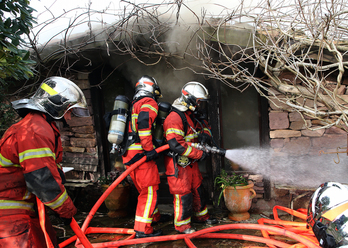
point(296, 57)
point(294, 53)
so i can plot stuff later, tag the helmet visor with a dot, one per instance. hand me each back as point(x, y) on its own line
point(80, 112)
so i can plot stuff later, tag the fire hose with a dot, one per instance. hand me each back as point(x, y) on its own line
point(123, 176)
point(113, 185)
point(205, 233)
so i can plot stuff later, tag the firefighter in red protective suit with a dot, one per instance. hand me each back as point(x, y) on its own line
point(30, 153)
point(145, 177)
point(181, 126)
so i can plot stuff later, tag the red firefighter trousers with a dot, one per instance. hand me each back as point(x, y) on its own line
point(146, 180)
point(188, 194)
point(23, 231)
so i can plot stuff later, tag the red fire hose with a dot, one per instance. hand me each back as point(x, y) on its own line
point(113, 185)
point(42, 219)
point(207, 233)
point(74, 226)
point(278, 229)
point(295, 213)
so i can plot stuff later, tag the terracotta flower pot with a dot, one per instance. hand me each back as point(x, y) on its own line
point(238, 201)
point(117, 200)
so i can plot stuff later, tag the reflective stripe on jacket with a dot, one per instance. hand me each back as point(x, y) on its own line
point(144, 113)
point(30, 151)
point(177, 138)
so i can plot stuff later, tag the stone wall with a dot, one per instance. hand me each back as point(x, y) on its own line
point(259, 187)
point(79, 140)
point(291, 134)
point(292, 137)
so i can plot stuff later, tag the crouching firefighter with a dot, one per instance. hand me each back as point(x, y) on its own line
point(30, 153)
point(184, 178)
point(140, 141)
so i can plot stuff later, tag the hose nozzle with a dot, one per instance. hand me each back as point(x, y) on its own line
point(211, 149)
point(219, 151)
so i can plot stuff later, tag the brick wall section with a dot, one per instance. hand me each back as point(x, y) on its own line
point(79, 139)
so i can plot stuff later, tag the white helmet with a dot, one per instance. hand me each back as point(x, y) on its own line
point(328, 214)
point(147, 86)
point(55, 96)
point(191, 94)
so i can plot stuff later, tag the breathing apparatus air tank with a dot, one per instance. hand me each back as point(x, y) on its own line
point(163, 111)
point(118, 122)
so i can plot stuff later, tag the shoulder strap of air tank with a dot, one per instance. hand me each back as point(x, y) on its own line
point(183, 118)
point(134, 133)
point(129, 137)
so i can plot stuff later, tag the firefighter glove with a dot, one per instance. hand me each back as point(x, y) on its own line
point(204, 155)
point(151, 155)
point(204, 138)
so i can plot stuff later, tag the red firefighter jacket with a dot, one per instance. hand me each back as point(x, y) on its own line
point(144, 113)
point(30, 152)
point(176, 137)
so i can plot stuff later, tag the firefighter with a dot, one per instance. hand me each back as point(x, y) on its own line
point(327, 214)
point(184, 124)
point(30, 153)
point(145, 177)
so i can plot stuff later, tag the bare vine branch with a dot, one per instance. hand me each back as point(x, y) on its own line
point(293, 53)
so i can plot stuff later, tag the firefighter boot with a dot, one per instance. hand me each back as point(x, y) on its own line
point(210, 221)
point(189, 230)
point(139, 235)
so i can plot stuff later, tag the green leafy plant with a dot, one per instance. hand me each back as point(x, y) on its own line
point(110, 177)
point(15, 62)
point(225, 180)
point(16, 21)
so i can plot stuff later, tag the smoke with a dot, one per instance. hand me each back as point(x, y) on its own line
point(169, 81)
point(178, 27)
point(170, 73)
point(284, 169)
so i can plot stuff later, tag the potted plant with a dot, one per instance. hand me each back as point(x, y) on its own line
point(117, 200)
point(238, 193)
